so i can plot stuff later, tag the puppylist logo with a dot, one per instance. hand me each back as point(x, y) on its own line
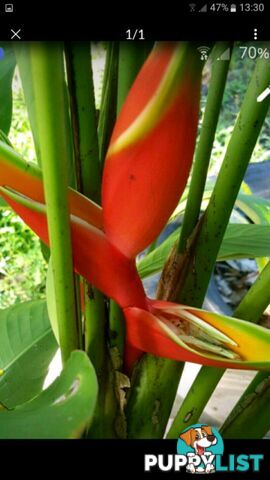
point(200, 444)
point(199, 450)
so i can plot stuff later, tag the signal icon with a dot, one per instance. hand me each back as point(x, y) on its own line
point(226, 55)
point(204, 52)
point(203, 9)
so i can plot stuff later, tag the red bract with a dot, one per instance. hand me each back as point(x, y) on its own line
point(180, 332)
point(146, 170)
point(94, 257)
point(151, 150)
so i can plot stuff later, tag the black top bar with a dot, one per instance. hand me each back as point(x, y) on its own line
point(41, 21)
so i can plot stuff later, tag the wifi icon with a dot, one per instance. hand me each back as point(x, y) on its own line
point(203, 52)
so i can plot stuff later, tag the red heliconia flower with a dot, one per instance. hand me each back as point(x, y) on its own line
point(146, 170)
point(151, 149)
point(181, 332)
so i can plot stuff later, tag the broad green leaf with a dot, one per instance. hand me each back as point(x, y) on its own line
point(258, 211)
point(27, 346)
point(256, 208)
point(64, 410)
point(245, 241)
point(240, 241)
point(7, 66)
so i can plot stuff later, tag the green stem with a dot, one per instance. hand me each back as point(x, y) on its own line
point(191, 410)
point(148, 415)
point(257, 298)
point(202, 158)
point(117, 333)
point(131, 57)
point(250, 309)
point(96, 322)
point(23, 57)
point(107, 114)
point(83, 114)
point(253, 404)
point(217, 215)
point(95, 331)
point(48, 82)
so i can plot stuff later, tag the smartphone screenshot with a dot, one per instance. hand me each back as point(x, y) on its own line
point(135, 237)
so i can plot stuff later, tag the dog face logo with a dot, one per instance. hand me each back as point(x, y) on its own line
point(199, 438)
point(201, 444)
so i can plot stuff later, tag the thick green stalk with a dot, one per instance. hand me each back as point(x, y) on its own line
point(250, 309)
point(131, 57)
point(191, 410)
point(253, 404)
point(94, 330)
point(117, 332)
point(23, 57)
point(202, 157)
point(107, 114)
point(96, 347)
point(48, 82)
point(257, 298)
point(83, 114)
point(148, 415)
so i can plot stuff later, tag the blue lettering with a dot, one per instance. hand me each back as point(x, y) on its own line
point(231, 463)
point(242, 463)
point(256, 461)
point(219, 467)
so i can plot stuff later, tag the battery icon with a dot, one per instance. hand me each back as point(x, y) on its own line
point(233, 8)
